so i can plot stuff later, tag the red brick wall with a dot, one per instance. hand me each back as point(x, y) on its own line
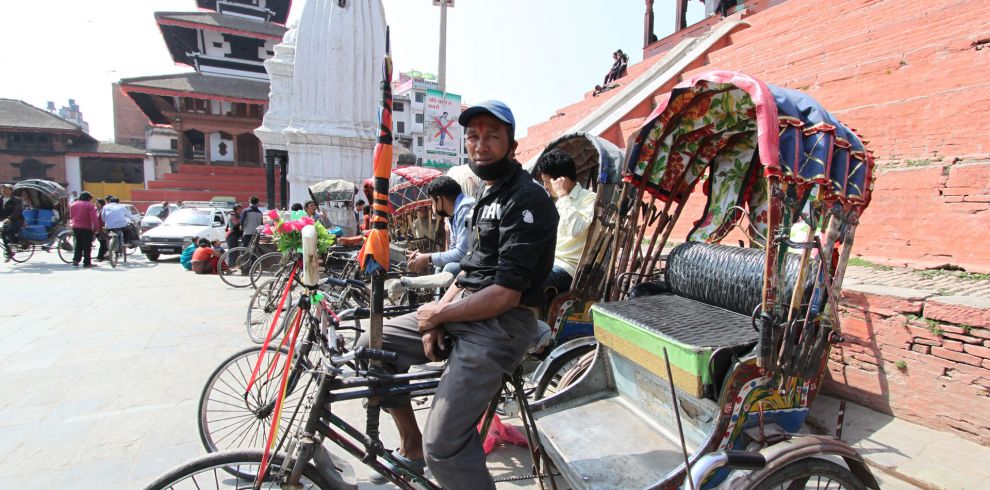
point(9, 173)
point(916, 356)
point(129, 122)
point(910, 77)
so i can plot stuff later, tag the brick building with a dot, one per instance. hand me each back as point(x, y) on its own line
point(37, 144)
point(912, 80)
point(198, 127)
point(33, 142)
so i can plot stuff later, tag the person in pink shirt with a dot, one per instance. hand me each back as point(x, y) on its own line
point(84, 222)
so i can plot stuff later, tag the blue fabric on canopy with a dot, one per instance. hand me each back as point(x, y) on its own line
point(818, 136)
point(819, 148)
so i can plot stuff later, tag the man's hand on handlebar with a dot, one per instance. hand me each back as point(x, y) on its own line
point(417, 262)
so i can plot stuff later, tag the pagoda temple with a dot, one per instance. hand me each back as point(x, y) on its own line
point(209, 114)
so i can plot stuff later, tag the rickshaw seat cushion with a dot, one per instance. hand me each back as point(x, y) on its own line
point(45, 217)
point(639, 329)
point(30, 215)
point(34, 232)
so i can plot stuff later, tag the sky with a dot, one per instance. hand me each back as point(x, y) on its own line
point(535, 55)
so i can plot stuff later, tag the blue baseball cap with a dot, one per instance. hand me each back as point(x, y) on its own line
point(495, 108)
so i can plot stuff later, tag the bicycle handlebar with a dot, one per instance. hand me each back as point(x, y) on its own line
point(364, 353)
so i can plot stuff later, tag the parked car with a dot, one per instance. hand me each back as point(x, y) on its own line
point(134, 211)
point(151, 219)
point(181, 227)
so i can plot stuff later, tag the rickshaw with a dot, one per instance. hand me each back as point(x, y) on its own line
point(335, 197)
point(414, 225)
point(710, 355)
point(46, 218)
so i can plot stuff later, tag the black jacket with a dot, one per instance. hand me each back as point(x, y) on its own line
point(512, 238)
point(13, 208)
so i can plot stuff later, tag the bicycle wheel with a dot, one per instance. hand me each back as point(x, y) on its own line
point(233, 470)
point(234, 265)
point(229, 421)
point(266, 267)
point(264, 303)
point(114, 247)
point(562, 372)
point(811, 473)
point(19, 253)
point(66, 247)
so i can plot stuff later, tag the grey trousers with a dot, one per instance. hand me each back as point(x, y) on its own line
point(485, 350)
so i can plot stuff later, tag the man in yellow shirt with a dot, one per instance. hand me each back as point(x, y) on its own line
point(576, 206)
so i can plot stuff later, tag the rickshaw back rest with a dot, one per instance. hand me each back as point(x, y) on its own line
point(723, 276)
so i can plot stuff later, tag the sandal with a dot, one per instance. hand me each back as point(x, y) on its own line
point(418, 466)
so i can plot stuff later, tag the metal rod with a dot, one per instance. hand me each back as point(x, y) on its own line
point(838, 422)
point(677, 417)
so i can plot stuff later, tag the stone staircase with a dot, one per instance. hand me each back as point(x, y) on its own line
point(202, 183)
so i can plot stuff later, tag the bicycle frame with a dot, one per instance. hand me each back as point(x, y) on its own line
point(365, 383)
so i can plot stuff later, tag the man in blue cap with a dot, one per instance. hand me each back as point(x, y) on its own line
point(488, 309)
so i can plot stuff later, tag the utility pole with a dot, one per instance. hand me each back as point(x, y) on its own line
point(442, 75)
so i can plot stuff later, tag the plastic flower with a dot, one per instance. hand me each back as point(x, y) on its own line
point(273, 215)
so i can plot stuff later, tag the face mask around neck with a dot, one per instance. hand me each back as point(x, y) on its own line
point(495, 170)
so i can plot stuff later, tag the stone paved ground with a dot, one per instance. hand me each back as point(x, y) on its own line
point(946, 283)
point(101, 371)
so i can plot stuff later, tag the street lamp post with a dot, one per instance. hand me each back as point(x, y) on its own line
point(442, 75)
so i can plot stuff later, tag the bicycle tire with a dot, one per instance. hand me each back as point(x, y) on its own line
point(66, 246)
point(234, 264)
point(114, 254)
point(559, 370)
point(227, 420)
point(800, 473)
point(266, 267)
point(20, 253)
point(262, 307)
point(236, 465)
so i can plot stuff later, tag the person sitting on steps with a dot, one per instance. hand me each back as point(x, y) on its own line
point(620, 61)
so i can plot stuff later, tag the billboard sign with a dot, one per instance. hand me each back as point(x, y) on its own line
point(442, 134)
